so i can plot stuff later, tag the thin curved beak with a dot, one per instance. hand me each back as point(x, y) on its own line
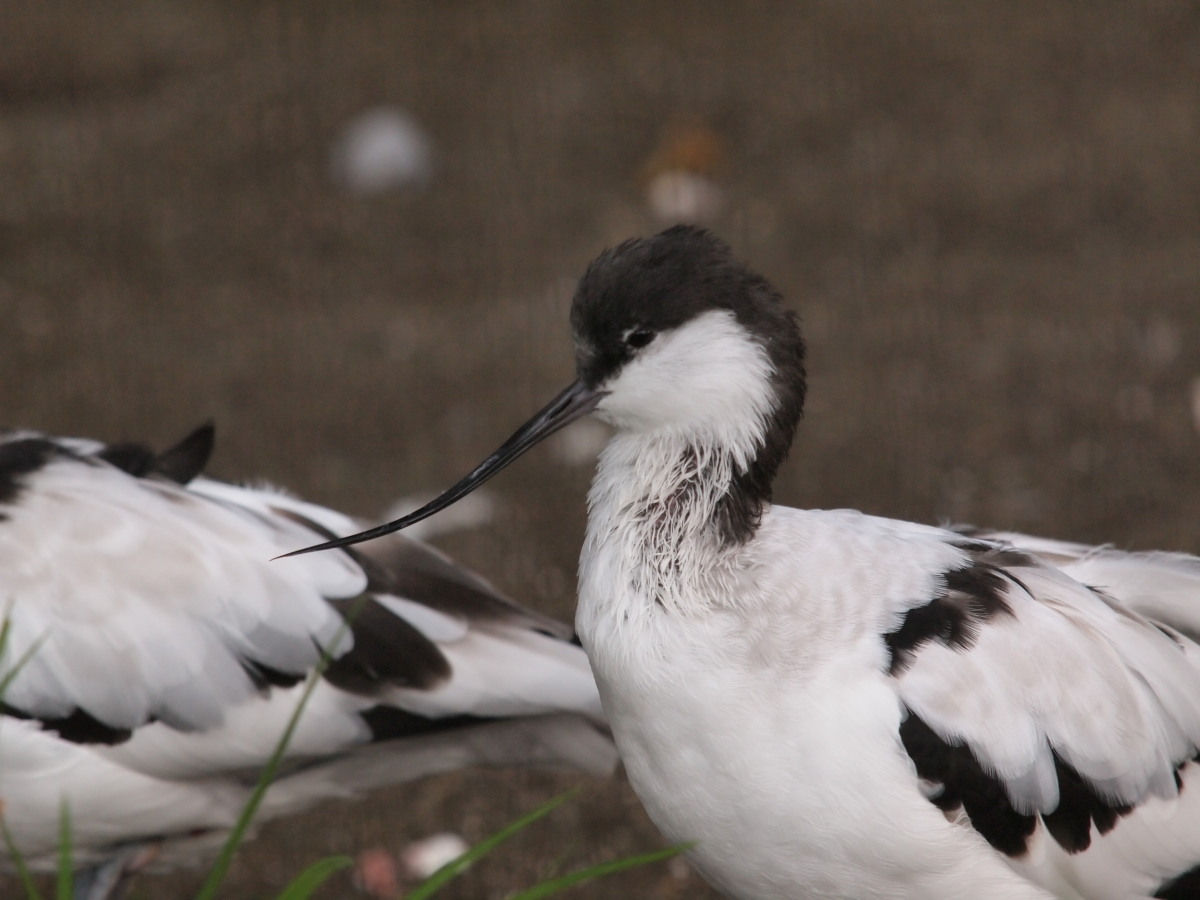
point(576, 401)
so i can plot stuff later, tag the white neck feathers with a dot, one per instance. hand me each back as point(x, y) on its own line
point(689, 422)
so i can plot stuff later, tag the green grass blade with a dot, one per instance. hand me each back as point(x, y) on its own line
point(313, 877)
point(5, 634)
point(12, 673)
point(5, 631)
point(220, 868)
point(18, 861)
point(452, 869)
point(557, 885)
point(66, 871)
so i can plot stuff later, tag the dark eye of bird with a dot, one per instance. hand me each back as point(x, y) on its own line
point(639, 338)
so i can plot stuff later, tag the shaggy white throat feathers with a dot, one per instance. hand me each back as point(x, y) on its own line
point(836, 705)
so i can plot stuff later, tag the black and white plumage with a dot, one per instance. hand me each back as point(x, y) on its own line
point(836, 705)
point(161, 653)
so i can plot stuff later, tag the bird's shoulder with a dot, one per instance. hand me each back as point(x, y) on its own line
point(1036, 678)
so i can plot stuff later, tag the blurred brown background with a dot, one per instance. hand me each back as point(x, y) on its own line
point(988, 215)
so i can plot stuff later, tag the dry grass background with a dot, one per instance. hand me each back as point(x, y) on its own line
point(988, 215)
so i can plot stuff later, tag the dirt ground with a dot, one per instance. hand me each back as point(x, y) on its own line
point(987, 214)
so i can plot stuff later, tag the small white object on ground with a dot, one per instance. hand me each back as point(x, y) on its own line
point(383, 149)
point(424, 857)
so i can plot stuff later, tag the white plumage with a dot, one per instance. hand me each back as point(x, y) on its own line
point(836, 705)
point(159, 653)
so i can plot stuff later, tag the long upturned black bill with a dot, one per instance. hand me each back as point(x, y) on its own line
point(576, 401)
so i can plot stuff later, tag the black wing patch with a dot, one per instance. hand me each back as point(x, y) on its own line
point(387, 652)
point(1079, 807)
point(266, 677)
point(188, 458)
point(179, 463)
point(1185, 887)
point(131, 458)
point(79, 727)
point(389, 722)
point(966, 785)
point(971, 595)
point(20, 458)
point(420, 573)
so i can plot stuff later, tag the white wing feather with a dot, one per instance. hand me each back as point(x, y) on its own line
point(143, 598)
point(1070, 672)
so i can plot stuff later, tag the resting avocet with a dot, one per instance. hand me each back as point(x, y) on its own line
point(159, 652)
point(835, 705)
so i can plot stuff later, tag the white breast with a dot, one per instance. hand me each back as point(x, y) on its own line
point(768, 738)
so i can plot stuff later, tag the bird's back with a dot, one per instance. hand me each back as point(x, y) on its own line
point(154, 653)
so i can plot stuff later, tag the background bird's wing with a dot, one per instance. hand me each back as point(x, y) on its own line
point(132, 597)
